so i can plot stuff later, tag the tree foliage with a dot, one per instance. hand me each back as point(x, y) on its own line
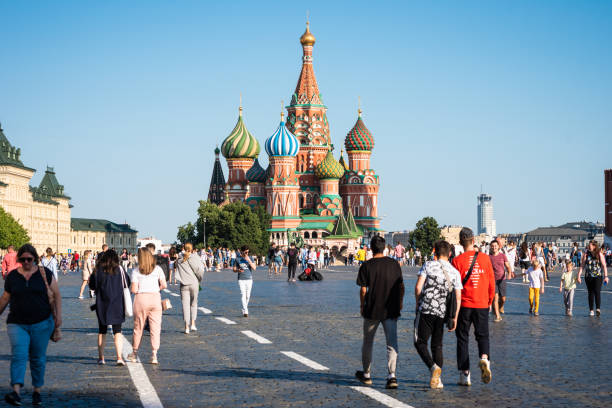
point(230, 226)
point(11, 232)
point(425, 234)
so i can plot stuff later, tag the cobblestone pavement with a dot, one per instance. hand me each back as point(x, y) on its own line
point(550, 360)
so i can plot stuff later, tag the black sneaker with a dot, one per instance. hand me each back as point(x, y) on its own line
point(36, 400)
point(391, 383)
point(13, 398)
point(362, 378)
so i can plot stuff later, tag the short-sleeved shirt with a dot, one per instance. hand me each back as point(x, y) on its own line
point(383, 278)
point(292, 254)
point(29, 302)
point(148, 283)
point(433, 296)
point(245, 269)
point(535, 277)
point(569, 279)
point(498, 262)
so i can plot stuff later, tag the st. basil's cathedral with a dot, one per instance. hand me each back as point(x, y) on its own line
point(305, 189)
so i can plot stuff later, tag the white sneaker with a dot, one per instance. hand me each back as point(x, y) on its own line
point(187, 330)
point(591, 313)
point(464, 379)
point(434, 381)
point(485, 368)
point(193, 327)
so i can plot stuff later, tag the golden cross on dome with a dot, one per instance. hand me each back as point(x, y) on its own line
point(282, 113)
point(359, 106)
point(240, 108)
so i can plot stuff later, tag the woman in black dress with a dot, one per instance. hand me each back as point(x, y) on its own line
point(108, 282)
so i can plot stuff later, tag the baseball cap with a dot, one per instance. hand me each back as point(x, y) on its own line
point(465, 234)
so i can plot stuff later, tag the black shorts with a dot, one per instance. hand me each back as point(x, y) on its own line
point(500, 287)
point(525, 264)
point(103, 328)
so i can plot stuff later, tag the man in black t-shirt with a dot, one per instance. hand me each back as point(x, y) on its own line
point(292, 261)
point(381, 295)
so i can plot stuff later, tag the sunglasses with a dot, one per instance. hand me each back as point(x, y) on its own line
point(26, 259)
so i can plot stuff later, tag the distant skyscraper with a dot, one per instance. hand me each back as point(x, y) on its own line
point(486, 223)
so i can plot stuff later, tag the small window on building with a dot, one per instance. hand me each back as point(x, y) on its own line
point(307, 235)
point(314, 234)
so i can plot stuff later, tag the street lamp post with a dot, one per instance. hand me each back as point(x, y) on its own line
point(204, 232)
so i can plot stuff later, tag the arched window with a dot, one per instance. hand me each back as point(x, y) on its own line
point(307, 235)
point(314, 234)
point(301, 201)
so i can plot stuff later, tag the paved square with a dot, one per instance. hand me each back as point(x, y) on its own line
point(300, 346)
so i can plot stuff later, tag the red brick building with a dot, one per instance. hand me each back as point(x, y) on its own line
point(608, 201)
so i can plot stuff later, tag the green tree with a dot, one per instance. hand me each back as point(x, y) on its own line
point(425, 234)
point(11, 232)
point(186, 233)
point(231, 226)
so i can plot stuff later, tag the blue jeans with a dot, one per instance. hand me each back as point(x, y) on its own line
point(29, 340)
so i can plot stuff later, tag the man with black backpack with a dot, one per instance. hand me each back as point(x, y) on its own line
point(477, 296)
point(437, 288)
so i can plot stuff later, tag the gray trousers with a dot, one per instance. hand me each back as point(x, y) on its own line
point(189, 299)
point(568, 299)
point(369, 330)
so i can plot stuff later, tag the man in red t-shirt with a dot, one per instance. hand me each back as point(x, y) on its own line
point(476, 297)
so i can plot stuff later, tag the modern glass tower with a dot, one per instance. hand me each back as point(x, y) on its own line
point(486, 223)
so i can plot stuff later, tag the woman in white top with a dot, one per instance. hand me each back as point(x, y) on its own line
point(86, 272)
point(49, 262)
point(147, 280)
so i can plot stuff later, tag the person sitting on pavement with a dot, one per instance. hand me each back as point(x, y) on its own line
point(381, 297)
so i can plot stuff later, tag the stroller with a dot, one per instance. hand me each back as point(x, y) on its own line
point(310, 274)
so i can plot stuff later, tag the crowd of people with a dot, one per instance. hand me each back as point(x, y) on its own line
point(456, 289)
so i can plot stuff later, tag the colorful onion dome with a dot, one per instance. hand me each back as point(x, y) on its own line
point(282, 142)
point(359, 138)
point(240, 143)
point(329, 168)
point(307, 38)
point(256, 174)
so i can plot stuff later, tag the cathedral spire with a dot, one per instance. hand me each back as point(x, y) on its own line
point(307, 89)
point(217, 182)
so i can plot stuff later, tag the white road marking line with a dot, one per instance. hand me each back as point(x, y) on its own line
point(380, 397)
point(205, 310)
point(166, 290)
point(224, 320)
point(256, 337)
point(174, 294)
point(306, 361)
point(555, 287)
point(146, 392)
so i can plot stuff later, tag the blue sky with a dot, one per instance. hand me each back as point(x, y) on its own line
point(127, 100)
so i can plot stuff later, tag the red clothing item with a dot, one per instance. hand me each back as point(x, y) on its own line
point(479, 291)
point(9, 263)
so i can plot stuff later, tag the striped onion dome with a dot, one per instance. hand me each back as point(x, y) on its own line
point(329, 168)
point(359, 138)
point(256, 174)
point(282, 142)
point(240, 143)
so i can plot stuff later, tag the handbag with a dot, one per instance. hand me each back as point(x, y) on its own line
point(56, 335)
point(127, 297)
point(165, 303)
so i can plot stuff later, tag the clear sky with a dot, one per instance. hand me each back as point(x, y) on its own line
point(127, 100)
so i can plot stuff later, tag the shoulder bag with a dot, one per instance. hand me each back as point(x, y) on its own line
point(127, 297)
point(165, 302)
point(56, 335)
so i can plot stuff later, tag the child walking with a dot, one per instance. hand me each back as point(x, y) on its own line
point(536, 286)
point(567, 286)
